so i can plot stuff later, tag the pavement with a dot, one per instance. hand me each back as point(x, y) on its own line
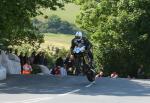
point(72, 89)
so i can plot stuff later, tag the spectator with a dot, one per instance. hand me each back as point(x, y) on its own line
point(100, 74)
point(26, 58)
point(63, 71)
point(114, 75)
point(21, 61)
point(27, 69)
point(56, 70)
point(140, 72)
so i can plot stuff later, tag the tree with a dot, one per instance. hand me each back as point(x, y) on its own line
point(15, 20)
point(120, 31)
point(56, 25)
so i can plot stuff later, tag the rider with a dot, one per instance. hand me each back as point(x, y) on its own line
point(84, 44)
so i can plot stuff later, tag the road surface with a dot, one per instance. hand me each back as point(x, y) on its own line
point(72, 89)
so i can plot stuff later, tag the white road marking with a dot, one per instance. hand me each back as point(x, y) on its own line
point(87, 86)
point(38, 100)
point(31, 100)
point(69, 92)
point(44, 98)
point(35, 100)
point(20, 88)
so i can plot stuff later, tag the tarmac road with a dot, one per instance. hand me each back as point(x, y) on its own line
point(72, 89)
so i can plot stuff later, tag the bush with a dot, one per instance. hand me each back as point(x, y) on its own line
point(36, 69)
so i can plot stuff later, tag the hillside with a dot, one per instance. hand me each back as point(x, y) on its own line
point(68, 14)
point(57, 40)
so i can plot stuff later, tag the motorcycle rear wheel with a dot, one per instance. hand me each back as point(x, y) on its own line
point(90, 75)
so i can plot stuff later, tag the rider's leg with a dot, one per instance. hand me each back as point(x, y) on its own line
point(90, 55)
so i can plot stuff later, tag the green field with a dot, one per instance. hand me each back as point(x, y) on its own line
point(69, 14)
point(57, 40)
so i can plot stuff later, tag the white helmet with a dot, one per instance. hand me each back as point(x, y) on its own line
point(79, 34)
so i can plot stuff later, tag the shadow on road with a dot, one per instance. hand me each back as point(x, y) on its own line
point(35, 84)
point(118, 87)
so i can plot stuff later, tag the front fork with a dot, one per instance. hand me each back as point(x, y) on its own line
point(83, 63)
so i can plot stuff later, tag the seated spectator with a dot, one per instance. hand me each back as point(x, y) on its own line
point(27, 69)
point(114, 75)
point(100, 74)
point(56, 70)
point(63, 71)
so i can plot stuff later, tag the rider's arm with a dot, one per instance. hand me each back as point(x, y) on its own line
point(72, 46)
point(88, 44)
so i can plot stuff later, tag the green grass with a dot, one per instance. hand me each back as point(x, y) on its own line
point(57, 40)
point(69, 14)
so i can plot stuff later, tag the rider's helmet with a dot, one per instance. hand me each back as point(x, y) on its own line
point(78, 35)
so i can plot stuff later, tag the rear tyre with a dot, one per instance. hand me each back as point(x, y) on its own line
point(90, 75)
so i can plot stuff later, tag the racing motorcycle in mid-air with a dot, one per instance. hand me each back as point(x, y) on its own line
point(83, 63)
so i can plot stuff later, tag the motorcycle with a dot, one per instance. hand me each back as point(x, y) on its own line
point(83, 64)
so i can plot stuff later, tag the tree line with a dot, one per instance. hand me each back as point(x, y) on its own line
point(54, 24)
point(15, 20)
point(119, 29)
point(120, 32)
